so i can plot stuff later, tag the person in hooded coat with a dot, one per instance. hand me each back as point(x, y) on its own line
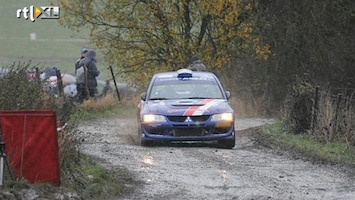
point(89, 88)
point(196, 64)
point(80, 81)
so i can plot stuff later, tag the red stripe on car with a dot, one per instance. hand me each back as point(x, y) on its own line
point(191, 110)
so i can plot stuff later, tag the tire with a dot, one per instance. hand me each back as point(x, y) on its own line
point(141, 141)
point(146, 143)
point(227, 143)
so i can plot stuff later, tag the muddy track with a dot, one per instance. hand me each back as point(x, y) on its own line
point(201, 171)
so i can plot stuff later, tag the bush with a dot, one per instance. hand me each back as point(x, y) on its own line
point(298, 109)
point(21, 89)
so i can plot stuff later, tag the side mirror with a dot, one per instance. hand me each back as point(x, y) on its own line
point(228, 94)
point(143, 96)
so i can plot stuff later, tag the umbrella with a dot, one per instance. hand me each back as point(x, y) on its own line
point(48, 72)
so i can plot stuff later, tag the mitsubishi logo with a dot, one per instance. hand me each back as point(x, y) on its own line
point(188, 119)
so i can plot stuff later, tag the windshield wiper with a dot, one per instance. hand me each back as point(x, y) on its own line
point(158, 98)
point(198, 98)
point(204, 98)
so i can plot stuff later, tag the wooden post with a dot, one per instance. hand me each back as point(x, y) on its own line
point(86, 84)
point(59, 83)
point(335, 125)
point(315, 110)
point(114, 81)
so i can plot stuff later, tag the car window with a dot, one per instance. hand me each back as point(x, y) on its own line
point(178, 89)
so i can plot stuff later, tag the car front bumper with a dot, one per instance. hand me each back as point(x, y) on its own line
point(188, 131)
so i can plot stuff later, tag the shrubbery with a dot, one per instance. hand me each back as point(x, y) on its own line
point(298, 107)
point(22, 90)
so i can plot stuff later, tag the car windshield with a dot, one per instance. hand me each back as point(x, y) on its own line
point(187, 89)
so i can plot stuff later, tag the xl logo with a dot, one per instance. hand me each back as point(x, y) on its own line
point(41, 12)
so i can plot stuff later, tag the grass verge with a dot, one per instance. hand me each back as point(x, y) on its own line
point(105, 107)
point(309, 148)
point(92, 181)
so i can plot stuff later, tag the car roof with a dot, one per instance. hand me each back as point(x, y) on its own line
point(184, 73)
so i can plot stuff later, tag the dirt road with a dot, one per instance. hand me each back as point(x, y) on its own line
point(176, 172)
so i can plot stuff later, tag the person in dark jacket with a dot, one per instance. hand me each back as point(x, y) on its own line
point(80, 83)
point(196, 64)
point(91, 71)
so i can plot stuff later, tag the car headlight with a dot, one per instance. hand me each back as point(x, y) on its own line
point(150, 118)
point(223, 117)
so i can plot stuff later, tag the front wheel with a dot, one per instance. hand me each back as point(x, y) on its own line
point(141, 139)
point(227, 143)
point(146, 143)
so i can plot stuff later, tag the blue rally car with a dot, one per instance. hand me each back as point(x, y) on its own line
point(186, 106)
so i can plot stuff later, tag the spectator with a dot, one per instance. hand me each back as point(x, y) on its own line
point(79, 74)
point(196, 64)
point(89, 88)
point(84, 51)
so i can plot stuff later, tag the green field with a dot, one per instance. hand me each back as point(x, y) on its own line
point(54, 45)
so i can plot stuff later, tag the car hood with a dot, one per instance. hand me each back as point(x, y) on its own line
point(187, 107)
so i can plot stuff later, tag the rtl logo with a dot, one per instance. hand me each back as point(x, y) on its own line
point(41, 12)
